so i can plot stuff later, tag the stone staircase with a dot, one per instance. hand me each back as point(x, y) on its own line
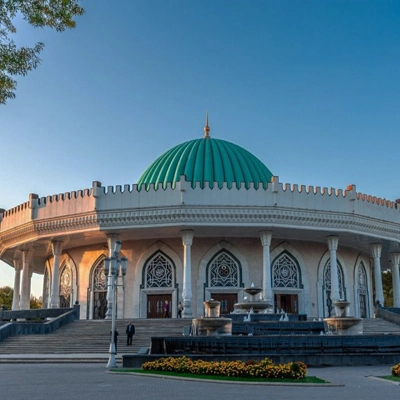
point(379, 326)
point(88, 340)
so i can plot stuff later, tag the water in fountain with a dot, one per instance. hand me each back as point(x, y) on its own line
point(254, 303)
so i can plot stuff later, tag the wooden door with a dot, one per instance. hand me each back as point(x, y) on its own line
point(227, 301)
point(155, 305)
point(287, 302)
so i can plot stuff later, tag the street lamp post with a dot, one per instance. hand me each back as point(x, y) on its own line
point(116, 267)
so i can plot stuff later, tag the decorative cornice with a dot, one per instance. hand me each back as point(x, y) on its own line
point(264, 217)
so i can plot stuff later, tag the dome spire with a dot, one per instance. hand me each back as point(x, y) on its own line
point(206, 128)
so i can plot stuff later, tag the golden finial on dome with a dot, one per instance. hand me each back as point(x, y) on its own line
point(207, 128)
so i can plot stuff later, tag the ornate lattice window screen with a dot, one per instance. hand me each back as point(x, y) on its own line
point(65, 281)
point(159, 272)
point(362, 279)
point(327, 279)
point(99, 278)
point(224, 271)
point(285, 273)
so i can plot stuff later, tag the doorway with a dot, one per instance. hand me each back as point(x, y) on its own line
point(287, 302)
point(227, 301)
point(155, 305)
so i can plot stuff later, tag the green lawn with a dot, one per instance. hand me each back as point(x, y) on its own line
point(391, 378)
point(307, 379)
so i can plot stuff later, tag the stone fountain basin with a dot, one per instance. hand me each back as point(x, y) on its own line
point(257, 306)
point(344, 325)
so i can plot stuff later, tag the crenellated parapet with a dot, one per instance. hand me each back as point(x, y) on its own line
point(79, 207)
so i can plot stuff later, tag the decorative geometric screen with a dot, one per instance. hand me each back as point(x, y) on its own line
point(159, 272)
point(327, 278)
point(99, 278)
point(224, 271)
point(65, 287)
point(285, 272)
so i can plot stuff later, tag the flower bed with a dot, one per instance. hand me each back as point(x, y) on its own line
point(396, 370)
point(251, 369)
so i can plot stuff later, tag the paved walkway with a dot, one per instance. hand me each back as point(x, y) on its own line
point(62, 381)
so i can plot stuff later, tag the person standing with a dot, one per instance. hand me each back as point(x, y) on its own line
point(115, 339)
point(166, 309)
point(130, 331)
point(180, 309)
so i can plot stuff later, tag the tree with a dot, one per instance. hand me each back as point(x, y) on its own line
point(55, 14)
point(387, 284)
point(6, 299)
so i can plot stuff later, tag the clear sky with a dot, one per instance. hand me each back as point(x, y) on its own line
point(309, 87)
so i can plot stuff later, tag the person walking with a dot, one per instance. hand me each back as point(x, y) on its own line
point(180, 309)
point(166, 309)
point(130, 331)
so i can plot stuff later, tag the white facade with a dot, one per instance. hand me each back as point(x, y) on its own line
point(188, 244)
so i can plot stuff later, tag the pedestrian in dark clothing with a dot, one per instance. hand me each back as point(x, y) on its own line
point(130, 331)
point(115, 339)
point(180, 309)
point(166, 309)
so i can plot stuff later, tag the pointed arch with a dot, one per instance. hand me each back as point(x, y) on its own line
point(286, 271)
point(157, 259)
point(65, 285)
point(97, 294)
point(289, 279)
point(222, 270)
point(326, 286)
point(361, 286)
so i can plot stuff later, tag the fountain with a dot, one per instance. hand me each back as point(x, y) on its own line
point(255, 304)
point(342, 324)
point(211, 324)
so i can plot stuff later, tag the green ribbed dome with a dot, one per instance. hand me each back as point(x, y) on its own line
point(206, 160)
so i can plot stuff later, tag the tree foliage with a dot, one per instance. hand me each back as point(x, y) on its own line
point(6, 299)
point(14, 60)
point(387, 285)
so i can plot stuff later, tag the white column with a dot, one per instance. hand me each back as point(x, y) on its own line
point(111, 240)
point(187, 240)
point(333, 245)
point(17, 284)
point(266, 237)
point(24, 302)
point(376, 250)
point(395, 258)
point(55, 286)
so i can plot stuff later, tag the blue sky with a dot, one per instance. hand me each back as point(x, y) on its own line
point(309, 87)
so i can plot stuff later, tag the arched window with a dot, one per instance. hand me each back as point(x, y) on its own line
point(65, 286)
point(362, 289)
point(224, 271)
point(327, 287)
point(159, 272)
point(285, 272)
point(99, 291)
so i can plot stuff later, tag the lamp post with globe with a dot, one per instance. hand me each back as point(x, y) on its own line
point(116, 268)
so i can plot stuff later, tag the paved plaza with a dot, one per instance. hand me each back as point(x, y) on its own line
point(93, 382)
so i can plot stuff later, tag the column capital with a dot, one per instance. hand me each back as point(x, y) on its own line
point(266, 237)
point(26, 256)
point(56, 247)
point(17, 264)
point(395, 258)
point(376, 250)
point(187, 237)
point(333, 242)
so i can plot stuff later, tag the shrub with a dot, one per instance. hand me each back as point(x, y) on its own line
point(263, 369)
point(396, 370)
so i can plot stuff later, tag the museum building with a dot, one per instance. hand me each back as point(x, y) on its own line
point(205, 220)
